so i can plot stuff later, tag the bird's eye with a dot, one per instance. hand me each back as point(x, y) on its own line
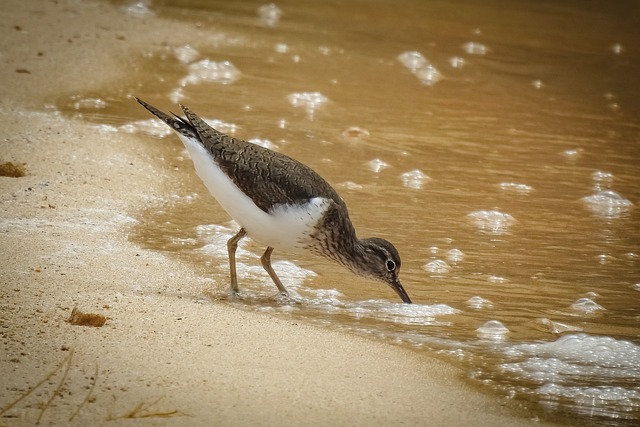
point(391, 265)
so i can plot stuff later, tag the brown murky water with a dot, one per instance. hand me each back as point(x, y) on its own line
point(502, 159)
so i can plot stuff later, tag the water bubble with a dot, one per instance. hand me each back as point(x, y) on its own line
point(473, 48)
point(455, 255)
point(185, 54)
point(478, 303)
point(515, 187)
point(428, 75)
point(269, 14)
point(557, 327)
point(355, 132)
point(497, 279)
point(207, 71)
point(96, 103)
point(617, 48)
point(281, 48)
point(602, 180)
point(636, 287)
point(412, 60)
point(493, 330)
point(572, 153)
point(456, 62)
point(437, 266)
point(138, 9)
point(607, 203)
point(537, 84)
point(586, 306)
point(493, 222)
point(420, 67)
point(414, 179)
point(150, 127)
point(310, 101)
point(377, 165)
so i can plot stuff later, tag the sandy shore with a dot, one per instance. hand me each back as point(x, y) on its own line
point(167, 354)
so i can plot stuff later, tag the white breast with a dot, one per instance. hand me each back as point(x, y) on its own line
point(284, 227)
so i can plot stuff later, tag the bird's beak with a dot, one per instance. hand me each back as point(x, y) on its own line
point(397, 286)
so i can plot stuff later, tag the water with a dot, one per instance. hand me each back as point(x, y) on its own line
point(496, 145)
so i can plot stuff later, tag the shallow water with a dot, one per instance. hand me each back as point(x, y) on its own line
point(497, 146)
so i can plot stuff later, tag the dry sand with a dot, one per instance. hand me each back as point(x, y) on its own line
point(167, 354)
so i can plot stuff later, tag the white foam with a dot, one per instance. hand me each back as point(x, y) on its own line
point(493, 222)
point(516, 187)
point(474, 48)
point(478, 302)
point(269, 14)
point(377, 165)
point(420, 67)
point(310, 101)
point(185, 54)
point(95, 103)
point(437, 266)
point(586, 306)
point(414, 179)
point(607, 203)
point(208, 71)
point(583, 349)
point(138, 9)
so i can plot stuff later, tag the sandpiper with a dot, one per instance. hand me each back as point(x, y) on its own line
point(280, 203)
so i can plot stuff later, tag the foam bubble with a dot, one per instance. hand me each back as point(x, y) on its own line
point(95, 103)
point(583, 349)
point(138, 9)
point(437, 266)
point(478, 303)
point(607, 203)
point(150, 126)
point(208, 71)
point(586, 306)
point(493, 222)
point(377, 165)
point(474, 48)
point(355, 133)
point(420, 67)
point(413, 60)
point(455, 255)
point(493, 330)
point(269, 14)
point(185, 54)
point(515, 187)
point(601, 180)
point(414, 179)
point(557, 327)
point(456, 62)
point(310, 101)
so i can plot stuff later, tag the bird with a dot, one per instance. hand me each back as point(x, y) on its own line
point(279, 202)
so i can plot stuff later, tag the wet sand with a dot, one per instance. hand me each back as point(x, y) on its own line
point(167, 354)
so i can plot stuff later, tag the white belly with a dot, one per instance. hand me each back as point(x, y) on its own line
point(284, 227)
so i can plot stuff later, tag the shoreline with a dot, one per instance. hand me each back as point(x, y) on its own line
point(166, 353)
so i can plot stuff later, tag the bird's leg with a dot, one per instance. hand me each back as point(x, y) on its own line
point(266, 263)
point(232, 245)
